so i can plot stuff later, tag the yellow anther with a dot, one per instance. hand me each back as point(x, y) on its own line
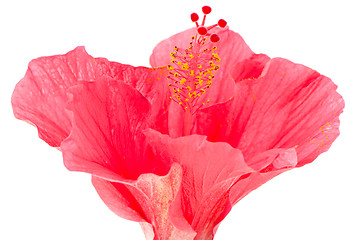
point(217, 58)
point(192, 70)
point(173, 55)
point(185, 66)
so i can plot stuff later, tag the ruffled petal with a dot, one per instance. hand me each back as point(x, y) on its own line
point(249, 68)
point(119, 199)
point(146, 200)
point(289, 105)
point(107, 142)
point(152, 83)
point(209, 172)
point(267, 165)
point(106, 139)
point(293, 104)
point(40, 97)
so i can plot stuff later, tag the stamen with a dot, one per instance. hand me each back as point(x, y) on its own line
point(192, 69)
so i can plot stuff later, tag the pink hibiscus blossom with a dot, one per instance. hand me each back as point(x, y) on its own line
point(175, 146)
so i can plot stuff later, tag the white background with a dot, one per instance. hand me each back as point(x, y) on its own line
point(40, 199)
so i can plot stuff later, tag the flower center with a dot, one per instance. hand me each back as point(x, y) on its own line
point(192, 70)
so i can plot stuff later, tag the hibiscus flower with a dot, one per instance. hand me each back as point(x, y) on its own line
point(175, 146)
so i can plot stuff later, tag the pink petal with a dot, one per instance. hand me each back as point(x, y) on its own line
point(40, 97)
point(250, 68)
point(290, 105)
point(106, 140)
point(267, 165)
point(119, 199)
point(210, 171)
point(152, 83)
point(146, 200)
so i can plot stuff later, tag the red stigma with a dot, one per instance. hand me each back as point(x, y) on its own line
point(214, 38)
point(202, 30)
point(205, 30)
point(194, 17)
point(206, 9)
point(222, 23)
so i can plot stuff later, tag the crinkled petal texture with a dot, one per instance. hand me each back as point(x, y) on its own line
point(152, 83)
point(107, 142)
point(215, 177)
point(41, 96)
point(283, 115)
point(210, 171)
point(287, 106)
